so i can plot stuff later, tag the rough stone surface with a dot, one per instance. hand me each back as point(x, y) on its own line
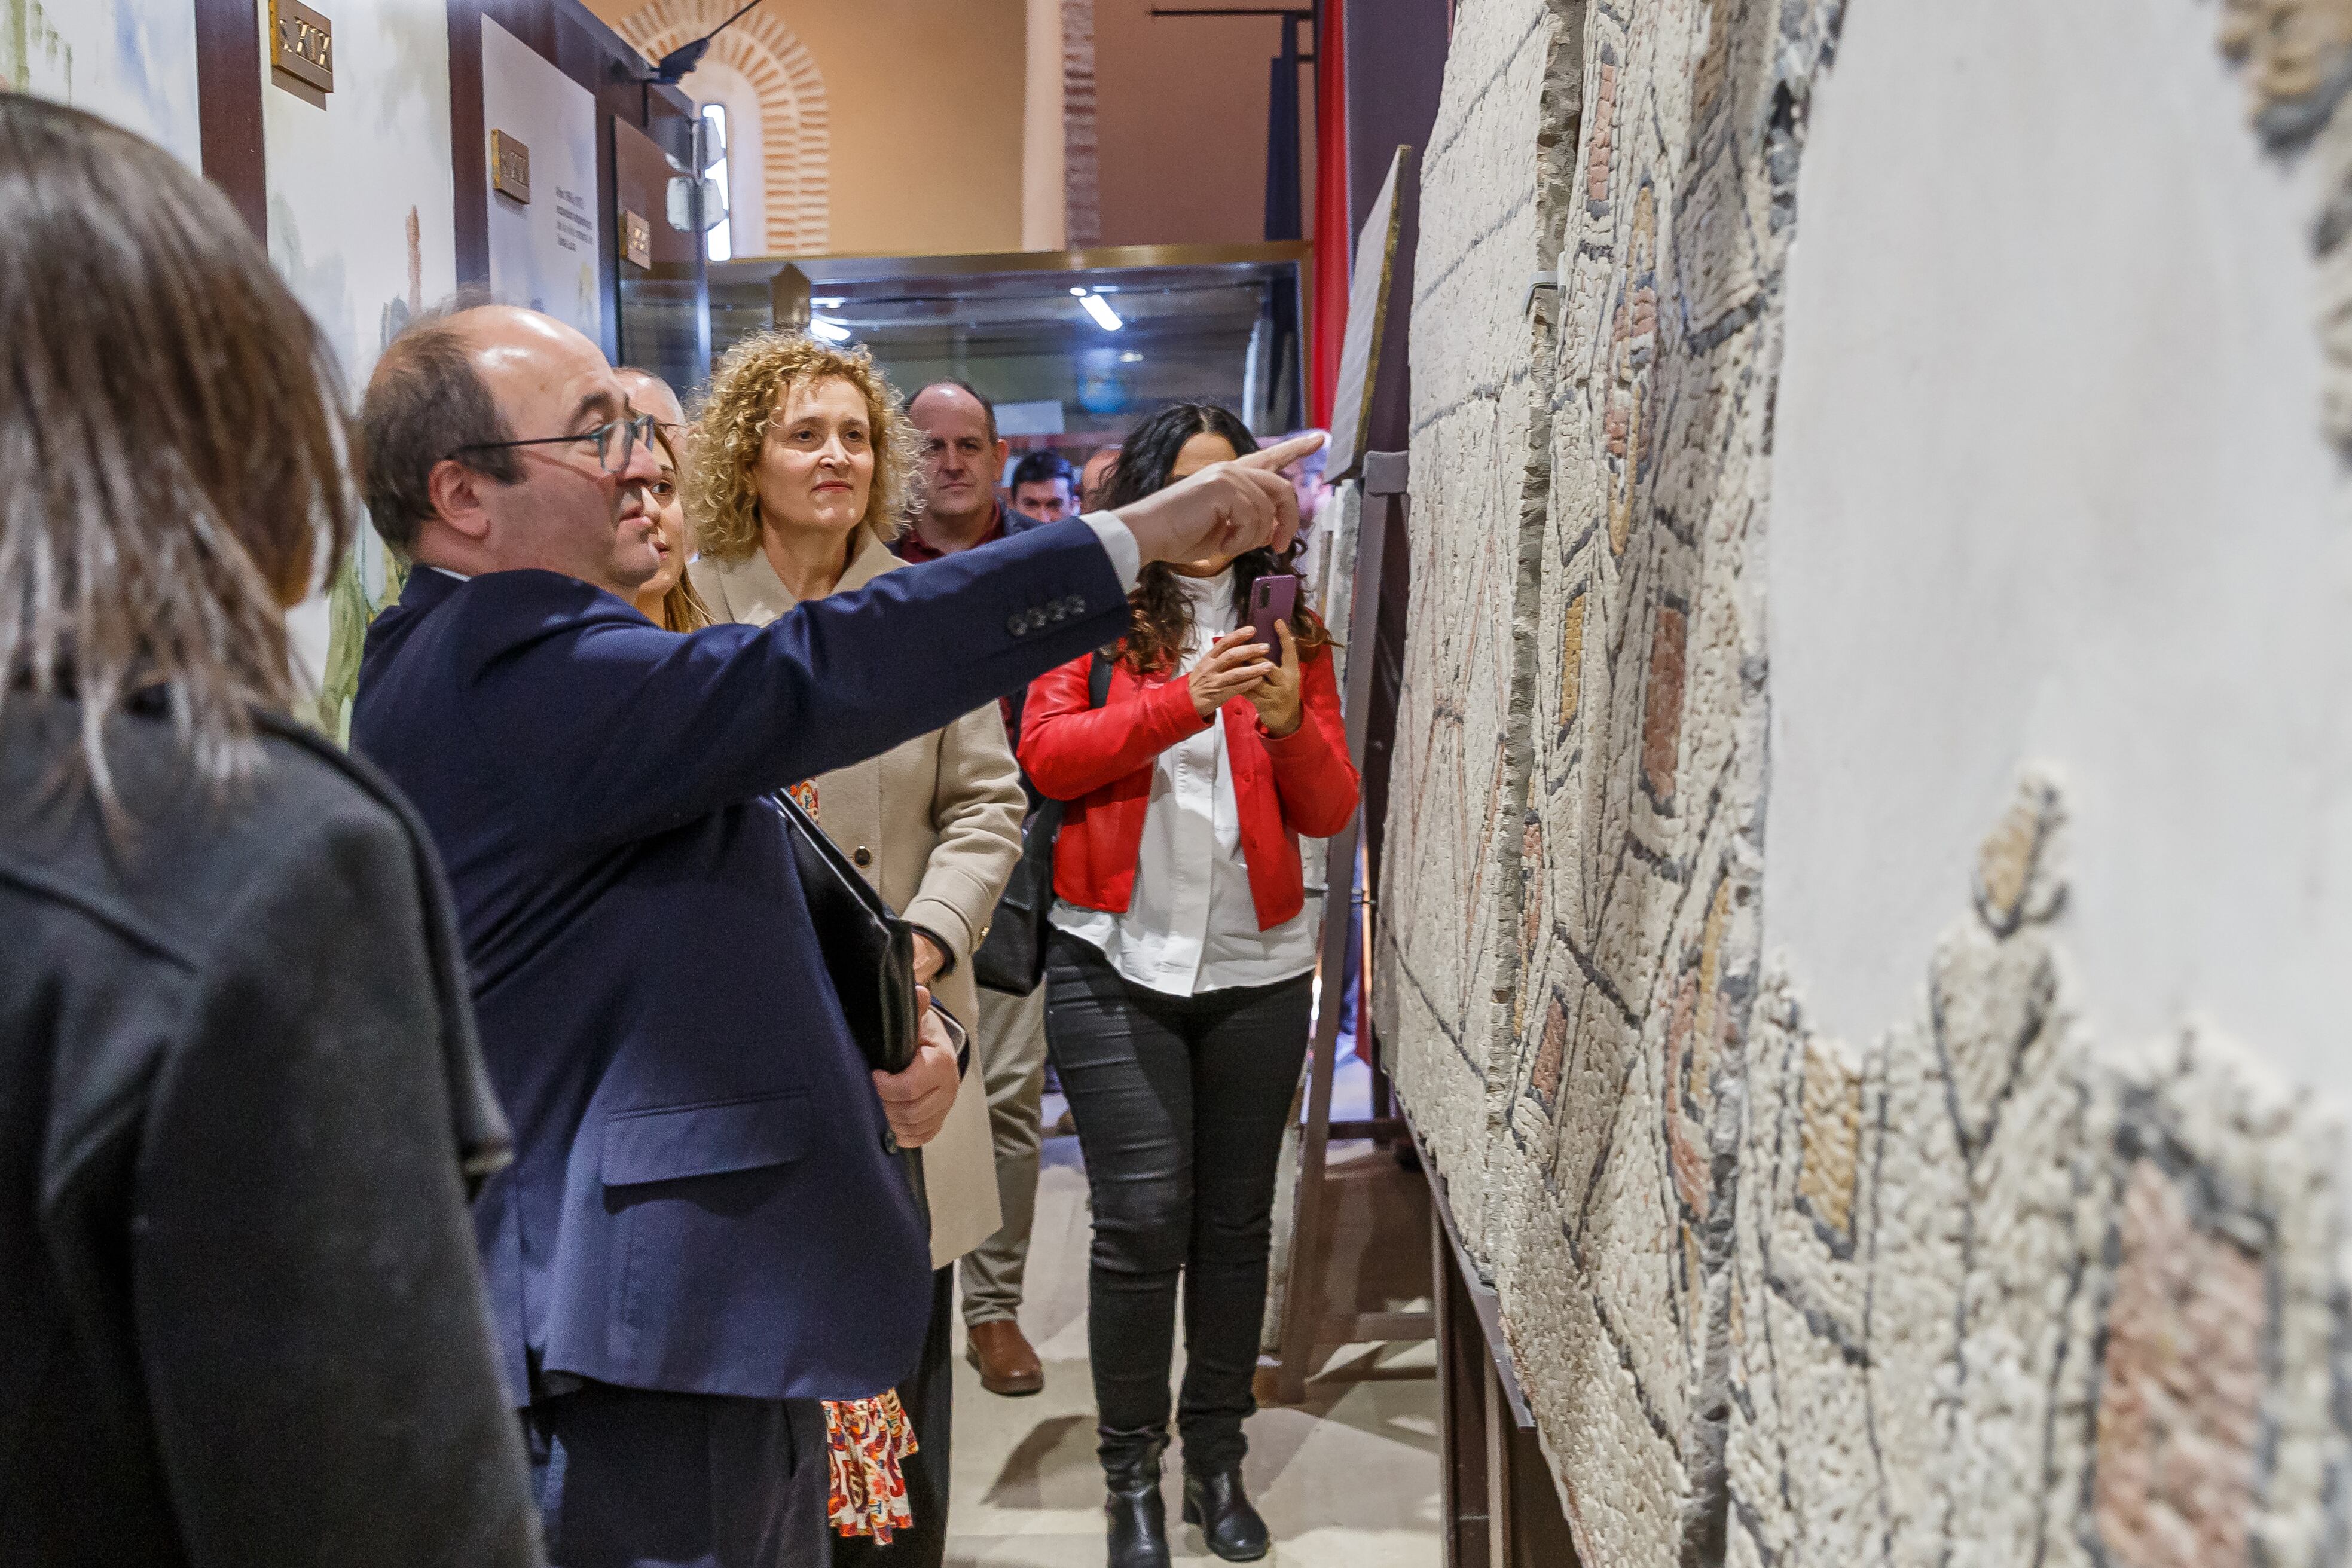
point(1980, 1290)
point(2001, 1297)
point(1571, 909)
point(1491, 201)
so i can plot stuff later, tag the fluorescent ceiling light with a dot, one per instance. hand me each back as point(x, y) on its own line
point(1099, 309)
point(1079, 292)
point(830, 331)
point(1130, 358)
point(832, 304)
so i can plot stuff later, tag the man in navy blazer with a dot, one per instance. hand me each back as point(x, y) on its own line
point(702, 1233)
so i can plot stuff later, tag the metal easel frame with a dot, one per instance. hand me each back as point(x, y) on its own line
point(1310, 1324)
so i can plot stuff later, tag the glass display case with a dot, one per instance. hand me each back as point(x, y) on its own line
point(1073, 346)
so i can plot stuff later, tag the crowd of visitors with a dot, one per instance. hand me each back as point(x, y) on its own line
point(470, 1150)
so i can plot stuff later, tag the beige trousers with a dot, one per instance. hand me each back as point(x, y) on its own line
point(1012, 1052)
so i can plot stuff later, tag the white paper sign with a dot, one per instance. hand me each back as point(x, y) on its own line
point(543, 253)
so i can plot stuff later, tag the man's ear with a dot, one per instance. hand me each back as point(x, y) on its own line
point(1003, 451)
point(458, 494)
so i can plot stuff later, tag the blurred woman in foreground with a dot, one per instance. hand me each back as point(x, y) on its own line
point(240, 1096)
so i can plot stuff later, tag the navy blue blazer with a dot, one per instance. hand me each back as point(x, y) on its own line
point(700, 1200)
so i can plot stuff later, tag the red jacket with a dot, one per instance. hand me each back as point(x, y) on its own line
point(1100, 762)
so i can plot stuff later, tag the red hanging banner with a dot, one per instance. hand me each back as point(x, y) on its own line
point(1332, 229)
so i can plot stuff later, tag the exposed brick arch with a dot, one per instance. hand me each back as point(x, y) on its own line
point(794, 134)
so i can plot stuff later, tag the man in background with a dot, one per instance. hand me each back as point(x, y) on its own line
point(1044, 487)
point(962, 455)
point(1092, 477)
point(649, 393)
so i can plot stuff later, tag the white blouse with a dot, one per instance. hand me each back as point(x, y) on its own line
point(1192, 926)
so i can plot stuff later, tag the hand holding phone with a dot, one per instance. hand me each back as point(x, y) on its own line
point(1274, 597)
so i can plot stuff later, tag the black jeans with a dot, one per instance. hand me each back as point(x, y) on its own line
point(1181, 1104)
point(928, 1399)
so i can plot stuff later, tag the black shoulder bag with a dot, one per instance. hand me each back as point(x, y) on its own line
point(867, 949)
point(1012, 956)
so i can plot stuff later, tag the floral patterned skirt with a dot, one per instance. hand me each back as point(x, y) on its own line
point(870, 1440)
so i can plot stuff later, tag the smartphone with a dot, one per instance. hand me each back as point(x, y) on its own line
point(1274, 597)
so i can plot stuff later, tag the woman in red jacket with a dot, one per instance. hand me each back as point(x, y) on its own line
point(1177, 983)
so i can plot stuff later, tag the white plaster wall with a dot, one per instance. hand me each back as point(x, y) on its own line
point(342, 181)
point(2050, 483)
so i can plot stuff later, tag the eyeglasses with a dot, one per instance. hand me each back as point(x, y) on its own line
point(615, 443)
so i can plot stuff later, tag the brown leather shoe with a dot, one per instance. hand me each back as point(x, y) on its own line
point(1007, 1365)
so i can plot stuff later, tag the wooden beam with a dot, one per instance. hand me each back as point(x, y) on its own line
point(229, 104)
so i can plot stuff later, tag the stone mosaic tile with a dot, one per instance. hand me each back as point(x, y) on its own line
point(2001, 1296)
point(1449, 949)
point(1971, 1293)
point(1612, 1174)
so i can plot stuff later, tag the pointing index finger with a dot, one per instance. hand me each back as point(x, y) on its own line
point(1283, 453)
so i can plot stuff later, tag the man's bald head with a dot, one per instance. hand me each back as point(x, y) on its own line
point(425, 401)
point(483, 435)
point(942, 397)
point(962, 459)
point(649, 393)
point(1092, 477)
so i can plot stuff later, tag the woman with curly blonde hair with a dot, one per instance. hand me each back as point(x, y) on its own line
point(802, 475)
point(764, 384)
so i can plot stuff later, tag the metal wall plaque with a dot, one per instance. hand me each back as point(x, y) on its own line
point(510, 167)
point(637, 240)
point(302, 44)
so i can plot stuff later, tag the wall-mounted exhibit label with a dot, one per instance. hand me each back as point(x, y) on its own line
point(509, 167)
point(302, 44)
point(544, 254)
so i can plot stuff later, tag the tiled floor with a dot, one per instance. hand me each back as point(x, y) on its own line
point(1348, 1481)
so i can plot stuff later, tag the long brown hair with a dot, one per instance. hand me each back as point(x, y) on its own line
point(172, 441)
point(1162, 621)
point(682, 607)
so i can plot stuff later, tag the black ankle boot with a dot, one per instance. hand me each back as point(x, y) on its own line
point(1138, 1517)
point(1214, 1502)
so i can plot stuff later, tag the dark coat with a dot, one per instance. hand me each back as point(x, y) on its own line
point(241, 1322)
point(700, 1201)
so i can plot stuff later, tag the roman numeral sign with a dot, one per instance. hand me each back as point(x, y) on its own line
point(302, 44)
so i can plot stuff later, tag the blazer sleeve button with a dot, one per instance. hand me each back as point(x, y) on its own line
point(1017, 624)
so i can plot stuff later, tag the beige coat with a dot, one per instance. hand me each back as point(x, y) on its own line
point(935, 825)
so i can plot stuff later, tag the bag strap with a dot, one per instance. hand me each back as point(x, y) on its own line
point(1098, 681)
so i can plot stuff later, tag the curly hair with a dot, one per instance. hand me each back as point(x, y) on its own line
point(1162, 617)
point(747, 394)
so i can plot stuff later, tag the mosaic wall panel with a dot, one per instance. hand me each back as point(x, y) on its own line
point(1490, 205)
point(1973, 1294)
point(1999, 1298)
point(1613, 1176)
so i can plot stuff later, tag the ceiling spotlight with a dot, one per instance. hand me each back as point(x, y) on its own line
point(1099, 309)
point(1130, 358)
point(830, 331)
point(1079, 292)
